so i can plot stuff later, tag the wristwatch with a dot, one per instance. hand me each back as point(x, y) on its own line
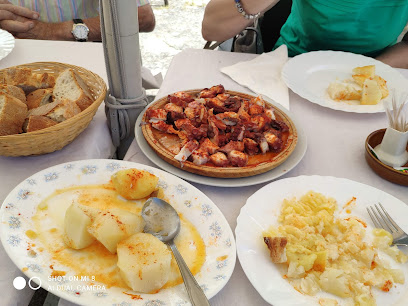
point(80, 30)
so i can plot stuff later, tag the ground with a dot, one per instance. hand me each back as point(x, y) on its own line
point(178, 26)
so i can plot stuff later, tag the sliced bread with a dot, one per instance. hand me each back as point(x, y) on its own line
point(35, 123)
point(65, 110)
point(70, 86)
point(28, 80)
point(39, 97)
point(14, 91)
point(12, 115)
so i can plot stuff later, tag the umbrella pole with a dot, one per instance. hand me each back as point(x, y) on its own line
point(126, 97)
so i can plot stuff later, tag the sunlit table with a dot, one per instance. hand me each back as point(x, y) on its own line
point(335, 148)
point(95, 142)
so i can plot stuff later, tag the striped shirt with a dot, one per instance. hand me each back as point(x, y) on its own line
point(63, 10)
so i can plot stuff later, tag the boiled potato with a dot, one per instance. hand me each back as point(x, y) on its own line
point(360, 78)
point(369, 71)
point(114, 225)
point(76, 223)
point(383, 85)
point(144, 262)
point(371, 93)
point(134, 184)
point(344, 91)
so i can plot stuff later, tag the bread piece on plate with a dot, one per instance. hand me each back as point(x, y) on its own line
point(65, 110)
point(277, 248)
point(70, 86)
point(14, 91)
point(12, 115)
point(35, 123)
point(39, 97)
point(28, 80)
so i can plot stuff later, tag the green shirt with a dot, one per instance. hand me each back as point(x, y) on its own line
point(359, 26)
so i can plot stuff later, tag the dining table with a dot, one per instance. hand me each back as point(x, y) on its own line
point(93, 143)
point(335, 148)
point(334, 139)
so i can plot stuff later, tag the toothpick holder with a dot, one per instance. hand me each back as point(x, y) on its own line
point(392, 151)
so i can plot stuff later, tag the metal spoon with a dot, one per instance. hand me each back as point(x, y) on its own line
point(163, 222)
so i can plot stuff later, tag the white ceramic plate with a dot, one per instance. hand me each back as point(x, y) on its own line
point(6, 43)
point(310, 74)
point(282, 169)
point(20, 205)
point(261, 211)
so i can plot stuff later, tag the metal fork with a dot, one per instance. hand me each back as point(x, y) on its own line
point(383, 220)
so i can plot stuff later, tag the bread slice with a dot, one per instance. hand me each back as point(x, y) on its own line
point(27, 80)
point(277, 248)
point(70, 86)
point(35, 123)
point(39, 97)
point(65, 110)
point(12, 115)
point(14, 91)
point(43, 109)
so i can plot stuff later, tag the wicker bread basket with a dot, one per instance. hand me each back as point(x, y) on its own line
point(55, 137)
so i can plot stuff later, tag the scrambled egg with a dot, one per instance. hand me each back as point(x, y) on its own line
point(330, 254)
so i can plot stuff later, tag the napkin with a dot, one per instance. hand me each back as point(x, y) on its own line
point(262, 75)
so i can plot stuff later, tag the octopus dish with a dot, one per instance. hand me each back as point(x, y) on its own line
point(219, 133)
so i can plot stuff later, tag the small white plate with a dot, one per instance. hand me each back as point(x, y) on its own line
point(6, 43)
point(261, 211)
point(20, 205)
point(282, 169)
point(310, 74)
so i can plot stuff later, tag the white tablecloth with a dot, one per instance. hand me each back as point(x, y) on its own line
point(335, 148)
point(94, 142)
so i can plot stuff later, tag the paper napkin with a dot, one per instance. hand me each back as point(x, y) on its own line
point(262, 75)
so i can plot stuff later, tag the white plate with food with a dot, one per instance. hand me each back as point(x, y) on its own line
point(7, 42)
point(289, 163)
point(275, 283)
point(33, 224)
point(310, 75)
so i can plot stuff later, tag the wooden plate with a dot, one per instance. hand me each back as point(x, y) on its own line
point(257, 164)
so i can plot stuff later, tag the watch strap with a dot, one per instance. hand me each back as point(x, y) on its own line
point(77, 20)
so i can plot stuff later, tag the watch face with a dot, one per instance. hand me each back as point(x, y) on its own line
point(80, 31)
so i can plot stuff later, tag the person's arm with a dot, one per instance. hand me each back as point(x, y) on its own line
point(397, 55)
point(222, 20)
point(23, 27)
point(61, 30)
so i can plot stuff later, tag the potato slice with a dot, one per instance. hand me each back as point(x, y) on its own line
point(76, 223)
point(371, 93)
point(114, 225)
point(360, 78)
point(383, 85)
point(133, 184)
point(369, 70)
point(344, 91)
point(144, 262)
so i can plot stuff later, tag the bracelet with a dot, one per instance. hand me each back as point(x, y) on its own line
point(243, 13)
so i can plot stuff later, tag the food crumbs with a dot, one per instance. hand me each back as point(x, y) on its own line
point(222, 258)
point(24, 269)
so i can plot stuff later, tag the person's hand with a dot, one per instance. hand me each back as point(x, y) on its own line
point(16, 19)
